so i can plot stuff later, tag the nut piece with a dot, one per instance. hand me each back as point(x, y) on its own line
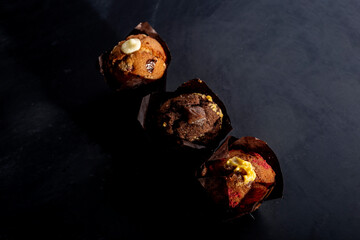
point(131, 45)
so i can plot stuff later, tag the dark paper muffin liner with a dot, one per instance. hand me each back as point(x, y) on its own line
point(149, 109)
point(135, 83)
point(214, 185)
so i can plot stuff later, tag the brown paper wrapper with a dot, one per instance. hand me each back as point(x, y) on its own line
point(216, 186)
point(149, 109)
point(133, 83)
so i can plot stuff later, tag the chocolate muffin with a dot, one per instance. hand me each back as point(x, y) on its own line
point(192, 117)
point(140, 59)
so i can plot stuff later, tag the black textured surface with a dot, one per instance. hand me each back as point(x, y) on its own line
point(288, 72)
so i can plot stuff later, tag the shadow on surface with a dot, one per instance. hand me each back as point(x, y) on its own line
point(55, 42)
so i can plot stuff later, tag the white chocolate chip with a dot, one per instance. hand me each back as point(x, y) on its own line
point(131, 45)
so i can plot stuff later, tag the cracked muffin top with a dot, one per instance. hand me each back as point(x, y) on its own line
point(192, 117)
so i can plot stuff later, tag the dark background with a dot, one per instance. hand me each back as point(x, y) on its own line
point(288, 72)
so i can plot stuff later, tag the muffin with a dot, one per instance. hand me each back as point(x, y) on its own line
point(247, 177)
point(139, 55)
point(192, 117)
point(238, 177)
point(140, 59)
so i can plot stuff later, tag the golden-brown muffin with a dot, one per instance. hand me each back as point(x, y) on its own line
point(147, 60)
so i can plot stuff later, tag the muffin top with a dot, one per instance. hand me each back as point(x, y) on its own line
point(139, 55)
point(192, 117)
point(264, 173)
point(248, 177)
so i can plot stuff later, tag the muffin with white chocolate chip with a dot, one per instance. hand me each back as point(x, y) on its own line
point(139, 55)
point(142, 58)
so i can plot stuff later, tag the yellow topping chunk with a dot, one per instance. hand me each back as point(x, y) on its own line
point(208, 97)
point(243, 166)
point(216, 109)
